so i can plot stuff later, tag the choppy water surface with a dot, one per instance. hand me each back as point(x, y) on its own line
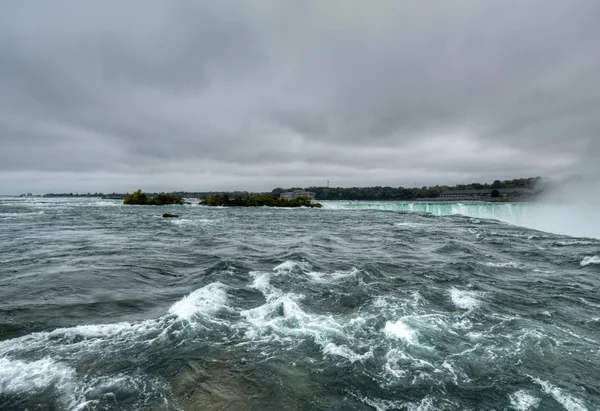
point(111, 307)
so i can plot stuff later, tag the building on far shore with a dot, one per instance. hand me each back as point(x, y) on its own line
point(292, 195)
point(487, 193)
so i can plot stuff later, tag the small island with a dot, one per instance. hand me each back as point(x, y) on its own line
point(258, 201)
point(139, 198)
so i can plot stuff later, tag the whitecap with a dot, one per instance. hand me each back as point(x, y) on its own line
point(332, 277)
point(567, 243)
point(74, 392)
point(261, 282)
point(464, 299)
point(463, 324)
point(426, 404)
point(346, 352)
point(402, 331)
point(380, 302)
point(380, 404)
point(282, 318)
point(586, 302)
point(282, 315)
point(522, 400)
point(475, 336)
point(18, 376)
point(563, 398)
point(590, 260)
point(288, 266)
point(85, 337)
point(509, 264)
point(206, 300)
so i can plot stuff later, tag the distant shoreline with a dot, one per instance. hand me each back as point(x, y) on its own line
point(415, 200)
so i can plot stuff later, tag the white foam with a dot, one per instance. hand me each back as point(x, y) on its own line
point(402, 331)
point(262, 282)
point(590, 260)
point(392, 367)
point(105, 204)
point(464, 299)
point(206, 300)
point(382, 405)
point(411, 225)
point(586, 302)
point(85, 337)
point(18, 376)
point(475, 336)
point(107, 330)
point(463, 324)
point(346, 352)
point(334, 277)
point(282, 318)
point(509, 264)
point(563, 398)
point(523, 401)
point(426, 404)
point(288, 266)
point(187, 222)
point(380, 302)
point(22, 377)
point(101, 389)
point(281, 315)
point(567, 243)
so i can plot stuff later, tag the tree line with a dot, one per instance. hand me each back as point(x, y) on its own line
point(352, 193)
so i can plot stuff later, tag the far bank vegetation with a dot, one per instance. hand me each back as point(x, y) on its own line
point(257, 201)
point(140, 198)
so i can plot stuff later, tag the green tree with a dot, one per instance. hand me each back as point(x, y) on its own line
point(136, 197)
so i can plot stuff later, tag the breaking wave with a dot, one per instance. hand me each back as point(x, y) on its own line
point(269, 309)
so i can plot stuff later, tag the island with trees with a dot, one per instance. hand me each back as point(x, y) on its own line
point(140, 198)
point(264, 200)
point(520, 189)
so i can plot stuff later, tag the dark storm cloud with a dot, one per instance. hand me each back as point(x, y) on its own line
point(255, 94)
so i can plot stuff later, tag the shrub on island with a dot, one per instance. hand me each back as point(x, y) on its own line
point(258, 201)
point(140, 198)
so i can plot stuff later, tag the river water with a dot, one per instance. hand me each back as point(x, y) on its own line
point(356, 306)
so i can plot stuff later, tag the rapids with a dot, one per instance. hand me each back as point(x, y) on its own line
point(356, 306)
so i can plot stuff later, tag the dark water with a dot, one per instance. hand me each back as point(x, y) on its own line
point(111, 307)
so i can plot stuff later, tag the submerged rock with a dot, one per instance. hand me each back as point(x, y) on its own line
point(169, 215)
point(215, 388)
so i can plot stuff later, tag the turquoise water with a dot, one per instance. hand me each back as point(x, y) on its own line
point(572, 218)
point(357, 306)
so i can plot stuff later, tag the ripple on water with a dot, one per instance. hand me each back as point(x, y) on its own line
point(322, 308)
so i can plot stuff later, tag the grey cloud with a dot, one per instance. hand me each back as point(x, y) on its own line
point(257, 94)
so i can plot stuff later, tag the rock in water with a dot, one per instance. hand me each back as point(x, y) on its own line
point(169, 215)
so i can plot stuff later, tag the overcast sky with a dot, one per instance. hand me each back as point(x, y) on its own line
point(251, 95)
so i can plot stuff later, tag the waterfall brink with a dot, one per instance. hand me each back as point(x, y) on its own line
point(567, 219)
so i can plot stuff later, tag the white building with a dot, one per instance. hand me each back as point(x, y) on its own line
point(292, 195)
